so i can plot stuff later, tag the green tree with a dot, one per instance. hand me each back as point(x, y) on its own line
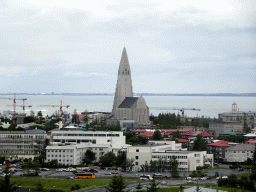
point(254, 157)
point(157, 135)
point(108, 159)
point(181, 188)
point(89, 157)
point(6, 184)
point(246, 128)
point(116, 185)
point(29, 119)
point(199, 144)
point(121, 159)
point(139, 188)
point(176, 135)
point(174, 166)
point(152, 186)
point(130, 163)
point(39, 187)
point(75, 118)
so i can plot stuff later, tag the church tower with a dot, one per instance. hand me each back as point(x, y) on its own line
point(124, 82)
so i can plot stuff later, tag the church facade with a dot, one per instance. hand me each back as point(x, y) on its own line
point(125, 106)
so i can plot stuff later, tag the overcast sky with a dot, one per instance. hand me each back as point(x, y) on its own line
point(172, 46)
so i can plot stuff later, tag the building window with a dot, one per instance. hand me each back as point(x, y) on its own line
point(137, 150)
point(197, 161)
point(136, 163)
point(136, 157)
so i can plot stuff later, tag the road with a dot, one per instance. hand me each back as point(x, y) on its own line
point(131, 186)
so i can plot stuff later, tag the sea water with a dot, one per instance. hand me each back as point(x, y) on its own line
point(210, 106)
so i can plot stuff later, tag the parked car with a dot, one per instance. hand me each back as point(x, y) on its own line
point(188, 178)
point(157, 174)
point(44, 169)
point(190, 181)
point(145, 177)
point(203, 178)
point(224, 177)
point(93, 171)
point(86, 170)
point(70, 169)
point(70, 178)
point(107, 173)
point(60, 169)
point(123, 170)
point(2, 174)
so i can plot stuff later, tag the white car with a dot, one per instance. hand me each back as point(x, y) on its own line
point(190, 181)
point(70, 169)
point(203, 178)
point(157, 174)
point(60, 169)
point(224, 177)
point(107, 173)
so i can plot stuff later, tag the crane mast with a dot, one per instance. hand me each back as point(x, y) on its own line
point(60, 106)
point(14, 103)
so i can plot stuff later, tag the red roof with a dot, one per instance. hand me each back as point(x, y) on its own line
point(147, 133)
point(183, 140)
point(220, 143)
point(250, 140)
point(205, 134)
point(173, 130)
point(190, 133)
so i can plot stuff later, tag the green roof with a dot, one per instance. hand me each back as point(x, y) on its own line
point(228, 133)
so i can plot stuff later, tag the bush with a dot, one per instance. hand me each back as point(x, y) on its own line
point(197, 174)
point(202, 167)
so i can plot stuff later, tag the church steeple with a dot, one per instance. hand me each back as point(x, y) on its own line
point(124, 81)
point(124, 67)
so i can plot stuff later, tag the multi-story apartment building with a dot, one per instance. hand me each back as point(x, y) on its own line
point(115, 139)
point(22, 142)
point(239, 153)
point(218, 149)
point(155, 150)
point(217, 128)
point(73, 154)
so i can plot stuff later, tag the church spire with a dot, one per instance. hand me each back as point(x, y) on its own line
point(124, 81)
point(124, 64)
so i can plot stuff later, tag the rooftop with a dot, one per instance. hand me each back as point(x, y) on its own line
point(128, 102)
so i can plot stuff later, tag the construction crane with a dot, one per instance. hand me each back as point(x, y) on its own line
point(67, 106)
point(23, 106)
point(14, 102)
point(175, 108)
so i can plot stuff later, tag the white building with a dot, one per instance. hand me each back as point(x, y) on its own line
point(188, 160)
point(73, 154)
point(239, 153)
point(115, 139)
point(22, 142)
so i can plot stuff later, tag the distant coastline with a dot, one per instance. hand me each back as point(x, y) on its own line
point(144, 94)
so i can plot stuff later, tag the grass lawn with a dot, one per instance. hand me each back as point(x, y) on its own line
point(64, 184)
point(61, 184)
point(243, 174)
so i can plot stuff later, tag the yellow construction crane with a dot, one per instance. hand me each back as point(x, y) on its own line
point(67, 106)
point(14, 103)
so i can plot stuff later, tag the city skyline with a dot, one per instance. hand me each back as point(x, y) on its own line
point(179, 47)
